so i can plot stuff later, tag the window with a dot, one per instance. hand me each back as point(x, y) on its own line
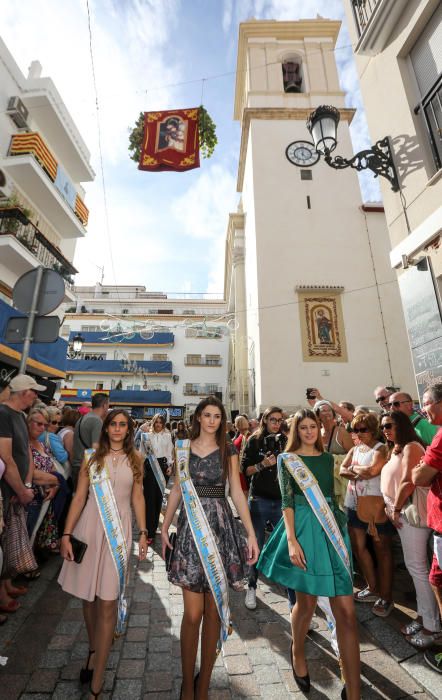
point(426, 59)
point(291, 75)
point(193, 360)
point(135, 356)
point(159, 357)
point(165, 311)
point(98, 311)
point(306, 175)
point(99, 385)
point(214, 360)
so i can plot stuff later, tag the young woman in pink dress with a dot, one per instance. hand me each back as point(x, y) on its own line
point(95, 579)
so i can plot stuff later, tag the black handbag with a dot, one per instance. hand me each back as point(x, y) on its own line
point(169, 552)
point(78, 549)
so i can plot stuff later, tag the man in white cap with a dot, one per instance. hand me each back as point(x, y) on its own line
point(15, 453)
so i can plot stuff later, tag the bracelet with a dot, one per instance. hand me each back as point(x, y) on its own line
point(66, 534)
point(28, 485)
point(143, 532)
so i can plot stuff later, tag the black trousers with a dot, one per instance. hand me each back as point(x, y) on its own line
point(153, 496)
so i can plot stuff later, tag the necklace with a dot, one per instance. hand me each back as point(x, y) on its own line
point(116, 449)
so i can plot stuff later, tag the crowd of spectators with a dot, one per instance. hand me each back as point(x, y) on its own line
point(391, 454)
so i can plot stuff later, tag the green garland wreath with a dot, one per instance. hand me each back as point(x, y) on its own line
point(206, 131)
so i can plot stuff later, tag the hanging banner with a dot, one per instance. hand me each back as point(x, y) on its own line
point(170, 140)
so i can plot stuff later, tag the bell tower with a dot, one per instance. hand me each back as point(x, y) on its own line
point(320, 294)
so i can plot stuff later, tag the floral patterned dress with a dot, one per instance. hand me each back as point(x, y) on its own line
point(47, 536)
point(186, 569)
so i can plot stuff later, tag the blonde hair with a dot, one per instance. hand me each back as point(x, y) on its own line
point(38, 412)
point(368, 419)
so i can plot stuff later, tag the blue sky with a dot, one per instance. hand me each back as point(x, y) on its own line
point(163, 230)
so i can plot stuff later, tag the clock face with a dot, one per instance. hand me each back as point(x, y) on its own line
point(302, 153)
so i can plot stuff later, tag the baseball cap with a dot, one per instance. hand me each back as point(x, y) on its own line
point(22, 382)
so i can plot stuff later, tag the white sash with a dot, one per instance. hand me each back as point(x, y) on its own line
point(204, 540)
point(148, 453)
point(113, 529)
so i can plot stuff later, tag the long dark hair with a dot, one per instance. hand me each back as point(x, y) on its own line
point(405, 432)
point(221, 437)
point(103, 448)
point(262, 431)
point(294, 441)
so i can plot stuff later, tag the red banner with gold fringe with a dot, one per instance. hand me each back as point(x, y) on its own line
point(170, 140)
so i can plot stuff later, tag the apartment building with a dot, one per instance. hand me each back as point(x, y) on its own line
point(152, 352)
point(43, 163)
point(398, 52)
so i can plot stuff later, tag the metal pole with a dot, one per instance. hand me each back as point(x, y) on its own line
point(30, 324)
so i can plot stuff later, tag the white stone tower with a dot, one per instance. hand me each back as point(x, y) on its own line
point(322, 304)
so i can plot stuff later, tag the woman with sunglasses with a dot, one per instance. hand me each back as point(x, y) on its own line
point(50, 437)
point(406, 451)
point(363, 466)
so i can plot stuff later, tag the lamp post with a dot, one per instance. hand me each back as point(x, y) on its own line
point(323, 125)
point(76, 346)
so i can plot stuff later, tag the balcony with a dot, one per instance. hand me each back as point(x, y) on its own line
point(23, 246)
point(375, 20)
point(122, 335)
point(118, 397)
point(201, 389)
point(33, 167)
point(204, 332)
point(145, 368)
point(431, 110)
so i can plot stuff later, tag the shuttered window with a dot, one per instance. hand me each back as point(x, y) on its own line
point(426, 55)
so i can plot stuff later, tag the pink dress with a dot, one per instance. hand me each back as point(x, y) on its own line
point(97, 575)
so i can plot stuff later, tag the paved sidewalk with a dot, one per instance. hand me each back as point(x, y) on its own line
point(46, 645)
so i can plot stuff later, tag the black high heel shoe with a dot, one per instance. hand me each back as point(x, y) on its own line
point(87, 673)
point(195, 683)
point(303, 682)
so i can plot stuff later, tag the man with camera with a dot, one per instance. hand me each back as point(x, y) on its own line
point(259, 465)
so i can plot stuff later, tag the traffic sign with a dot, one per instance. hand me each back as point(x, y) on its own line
point(50, 296)
point(45, 330)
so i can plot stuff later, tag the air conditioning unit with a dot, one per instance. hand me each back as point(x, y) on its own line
point(5, 187)
point(18, 112)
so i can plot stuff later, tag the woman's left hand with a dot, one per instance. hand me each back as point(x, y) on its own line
point(51, 493)
point(252, 550)
point(142, 548)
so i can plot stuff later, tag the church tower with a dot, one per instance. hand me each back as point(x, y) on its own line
point(322, 304)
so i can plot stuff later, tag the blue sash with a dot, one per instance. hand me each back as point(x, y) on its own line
point(113, 529)
point(204, 540)
point(318, 503)
point(147, 452)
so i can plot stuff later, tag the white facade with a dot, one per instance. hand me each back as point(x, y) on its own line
point(199, 354)
point(398, 51)
point(43, 161)
point(297, 235)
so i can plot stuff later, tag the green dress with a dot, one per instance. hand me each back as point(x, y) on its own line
point(325, 573)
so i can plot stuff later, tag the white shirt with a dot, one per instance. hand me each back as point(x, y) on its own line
point(162, 445)
point(362, 457)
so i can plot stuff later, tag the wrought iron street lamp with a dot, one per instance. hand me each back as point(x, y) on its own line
point(323, 125)
point(76, 346)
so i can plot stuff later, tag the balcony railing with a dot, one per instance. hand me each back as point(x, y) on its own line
point(14, 223)
point(32, 144)
point(201, 389)
point(363, 10)
point(202, 363)
point(431, 108)
point(207, 332)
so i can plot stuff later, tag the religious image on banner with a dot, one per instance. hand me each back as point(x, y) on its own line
point(322, 328)
point(170, 140)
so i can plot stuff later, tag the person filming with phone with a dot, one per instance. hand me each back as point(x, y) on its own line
point(258, 464)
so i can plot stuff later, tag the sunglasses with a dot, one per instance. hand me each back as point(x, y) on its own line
point(276, 420)
point(360, 430)
point(396, 404)
point(387, 426)
point(55, 422)
point(381, 398)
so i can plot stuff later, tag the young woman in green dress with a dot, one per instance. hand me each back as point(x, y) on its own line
point(299, 555)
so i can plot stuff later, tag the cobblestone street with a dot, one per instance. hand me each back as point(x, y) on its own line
point(46, 644)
